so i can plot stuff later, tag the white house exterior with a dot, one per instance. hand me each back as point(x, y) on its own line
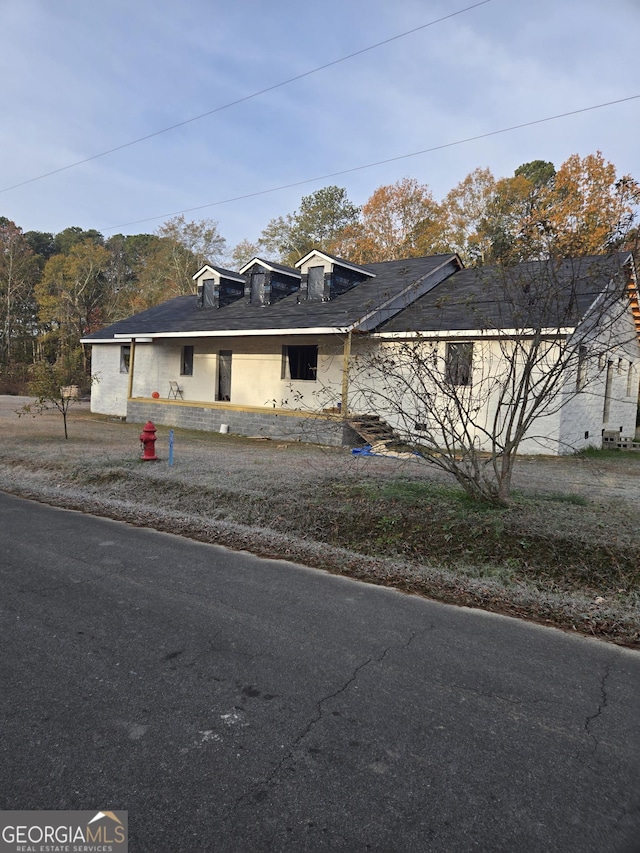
point(279, 351)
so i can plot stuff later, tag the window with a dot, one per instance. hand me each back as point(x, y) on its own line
point(316, 283)
point(458, 365)
point(186, 362)
point(582, 368)
point(300, 362)
point(125, 357)
point(208, 293)
point(630, 378)
point(607, 393)
point(258, 281)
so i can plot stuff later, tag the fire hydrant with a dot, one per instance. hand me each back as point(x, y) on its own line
point(148, 439)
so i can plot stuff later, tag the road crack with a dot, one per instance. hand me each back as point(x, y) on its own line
point(604, 701)
point(261, 793)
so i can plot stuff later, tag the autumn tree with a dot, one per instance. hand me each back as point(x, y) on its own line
point(516, 223)
point(399, 220)
point(464, 213)
point(317, 224)
point(590, 209)
point(582, 209)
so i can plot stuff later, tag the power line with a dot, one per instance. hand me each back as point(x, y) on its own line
point(376, 163)
point(245, 98)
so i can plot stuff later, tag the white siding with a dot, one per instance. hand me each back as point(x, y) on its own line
point(109, 388)
point(256, 374)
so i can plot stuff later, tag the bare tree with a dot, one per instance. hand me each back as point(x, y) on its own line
point(57, 386)
point(489, 360)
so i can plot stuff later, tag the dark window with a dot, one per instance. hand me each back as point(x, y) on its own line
point(316, 283)
point(300, 362)
point(582, 368)
point(209, 293)
point(125, 356)
point(224, 375)
point(459, 363)
point(257, 287)
point(186, 362)
point(607, 392)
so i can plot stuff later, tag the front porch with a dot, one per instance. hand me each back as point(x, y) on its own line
point(327, 428)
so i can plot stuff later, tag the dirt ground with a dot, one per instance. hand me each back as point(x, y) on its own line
point(303, 502)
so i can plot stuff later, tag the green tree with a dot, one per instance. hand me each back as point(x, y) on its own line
point(73, 294)
point(43, 245)
point(136, 274)
point(72, 236)
point(318, 223)
point(539, 173)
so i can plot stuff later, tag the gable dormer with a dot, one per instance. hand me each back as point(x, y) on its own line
point(267, 282)
point(217, 287)
point(324, 276)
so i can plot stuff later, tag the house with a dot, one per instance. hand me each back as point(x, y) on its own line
point(282, 351)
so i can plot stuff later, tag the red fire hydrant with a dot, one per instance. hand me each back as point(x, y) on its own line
point(148, 439)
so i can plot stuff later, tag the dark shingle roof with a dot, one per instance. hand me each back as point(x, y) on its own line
point(183, 315)
point(221, 271)
point(539, 294)
point(341, 262)
point(272, 265)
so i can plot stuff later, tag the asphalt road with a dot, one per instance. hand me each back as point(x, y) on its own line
point(237, 704)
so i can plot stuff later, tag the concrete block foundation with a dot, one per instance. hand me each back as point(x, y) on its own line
point(282, 425)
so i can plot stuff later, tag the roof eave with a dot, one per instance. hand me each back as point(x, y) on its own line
point(337, 261)
point(562, 332)
point(232, 333)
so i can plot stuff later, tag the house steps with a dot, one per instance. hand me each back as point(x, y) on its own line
point(377, 433)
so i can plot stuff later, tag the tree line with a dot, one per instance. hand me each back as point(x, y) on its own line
point(56, 288)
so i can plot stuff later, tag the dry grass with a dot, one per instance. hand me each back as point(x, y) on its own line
point(567, 552)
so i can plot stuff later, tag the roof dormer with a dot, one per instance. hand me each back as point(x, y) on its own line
point(217, 287)
point(324, 276)
point(267, 282)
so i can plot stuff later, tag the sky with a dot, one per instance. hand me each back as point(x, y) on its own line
point(81, 78)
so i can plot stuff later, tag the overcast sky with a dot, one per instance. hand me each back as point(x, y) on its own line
point(81, 77)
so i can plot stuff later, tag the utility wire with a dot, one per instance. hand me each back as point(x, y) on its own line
point(245, 98)
point(377, 163)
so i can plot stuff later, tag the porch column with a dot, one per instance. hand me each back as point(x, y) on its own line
point(132, 358)
point(346, 355)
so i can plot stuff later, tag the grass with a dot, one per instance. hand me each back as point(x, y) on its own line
point(596, 453)
point(566, 552)
point(424, 521)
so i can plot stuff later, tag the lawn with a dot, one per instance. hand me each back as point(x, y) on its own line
point(567, 552)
